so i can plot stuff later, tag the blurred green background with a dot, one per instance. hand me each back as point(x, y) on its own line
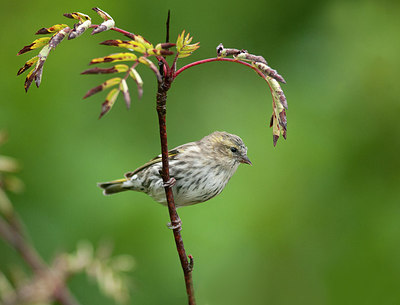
point(315, 220)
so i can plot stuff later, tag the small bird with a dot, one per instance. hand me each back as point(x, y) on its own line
point(199, 170)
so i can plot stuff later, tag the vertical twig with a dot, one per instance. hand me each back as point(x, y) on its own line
point(167, 26)
point(175, 221)
point(163, 88)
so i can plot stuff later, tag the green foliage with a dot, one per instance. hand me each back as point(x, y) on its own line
point(183, 46)
point(136, 44)
point(49, 43)
point(139, 44)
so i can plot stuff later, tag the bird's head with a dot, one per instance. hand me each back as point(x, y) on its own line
point(226, 147)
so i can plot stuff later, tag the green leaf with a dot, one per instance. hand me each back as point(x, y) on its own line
point(106, 25)
point(114, 58)
point(267, 70)
point(80, 29)
point(159, 52)
point(77, 16)
point(40, 42)
point(58, 37)
point(123, 86)
point(107, 84)
point(28, 64)
point(279, 104)
point(36, 73)
point(53, 29)
point(183, 45)
point(152, 66)
point(138, 80)
point(128, 44)
point(114, 69)
point(105, 16)
point(109, 102)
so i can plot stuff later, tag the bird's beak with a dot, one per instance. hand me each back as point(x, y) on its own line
point(246, 160)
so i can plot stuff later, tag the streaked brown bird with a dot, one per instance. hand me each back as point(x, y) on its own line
point(200, 170)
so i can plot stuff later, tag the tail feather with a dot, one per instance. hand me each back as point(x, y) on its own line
point(113, 187)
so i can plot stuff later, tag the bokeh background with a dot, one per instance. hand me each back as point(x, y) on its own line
point(315, 220)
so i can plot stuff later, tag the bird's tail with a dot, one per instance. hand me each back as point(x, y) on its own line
point(113, 187)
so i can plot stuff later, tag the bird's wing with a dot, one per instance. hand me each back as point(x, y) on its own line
point(171, 154)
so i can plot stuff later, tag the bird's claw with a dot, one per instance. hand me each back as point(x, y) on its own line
point(175, 225)
point(170, 183)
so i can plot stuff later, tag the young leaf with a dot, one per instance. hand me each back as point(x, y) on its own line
point(28, 64)
point(183, 45)
point(152, 66)
point(139, 82)
point(267, 70)
point(39, 72)
point(279, 103)
point(123, 86)
point(39, 66)
point(36, 73)
point(109, 102)
point(159, 52)
point(77, 16)
point(102, 14)
point(244, 55)
point(114, 58)
point(128, 44)
point(142, 40)
point(107, 84)
point(106, 25)
point(29, 80)
point(275, 129)
point(53, 29)
point(79, 29)
point(58, 37)
point(278, 120)
point(165, 45)
point(40, 42)
point(114, 69)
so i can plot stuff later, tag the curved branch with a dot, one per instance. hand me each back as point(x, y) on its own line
point(203, 61)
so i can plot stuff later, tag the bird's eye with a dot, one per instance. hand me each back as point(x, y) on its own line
point(233, 149)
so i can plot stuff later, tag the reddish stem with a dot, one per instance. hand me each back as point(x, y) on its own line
point(164, 61)
point(126, 33)
point(203, 61)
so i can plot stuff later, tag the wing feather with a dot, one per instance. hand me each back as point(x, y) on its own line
point(171, 154)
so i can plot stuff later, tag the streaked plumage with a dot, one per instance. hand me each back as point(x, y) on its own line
point(201, 170)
